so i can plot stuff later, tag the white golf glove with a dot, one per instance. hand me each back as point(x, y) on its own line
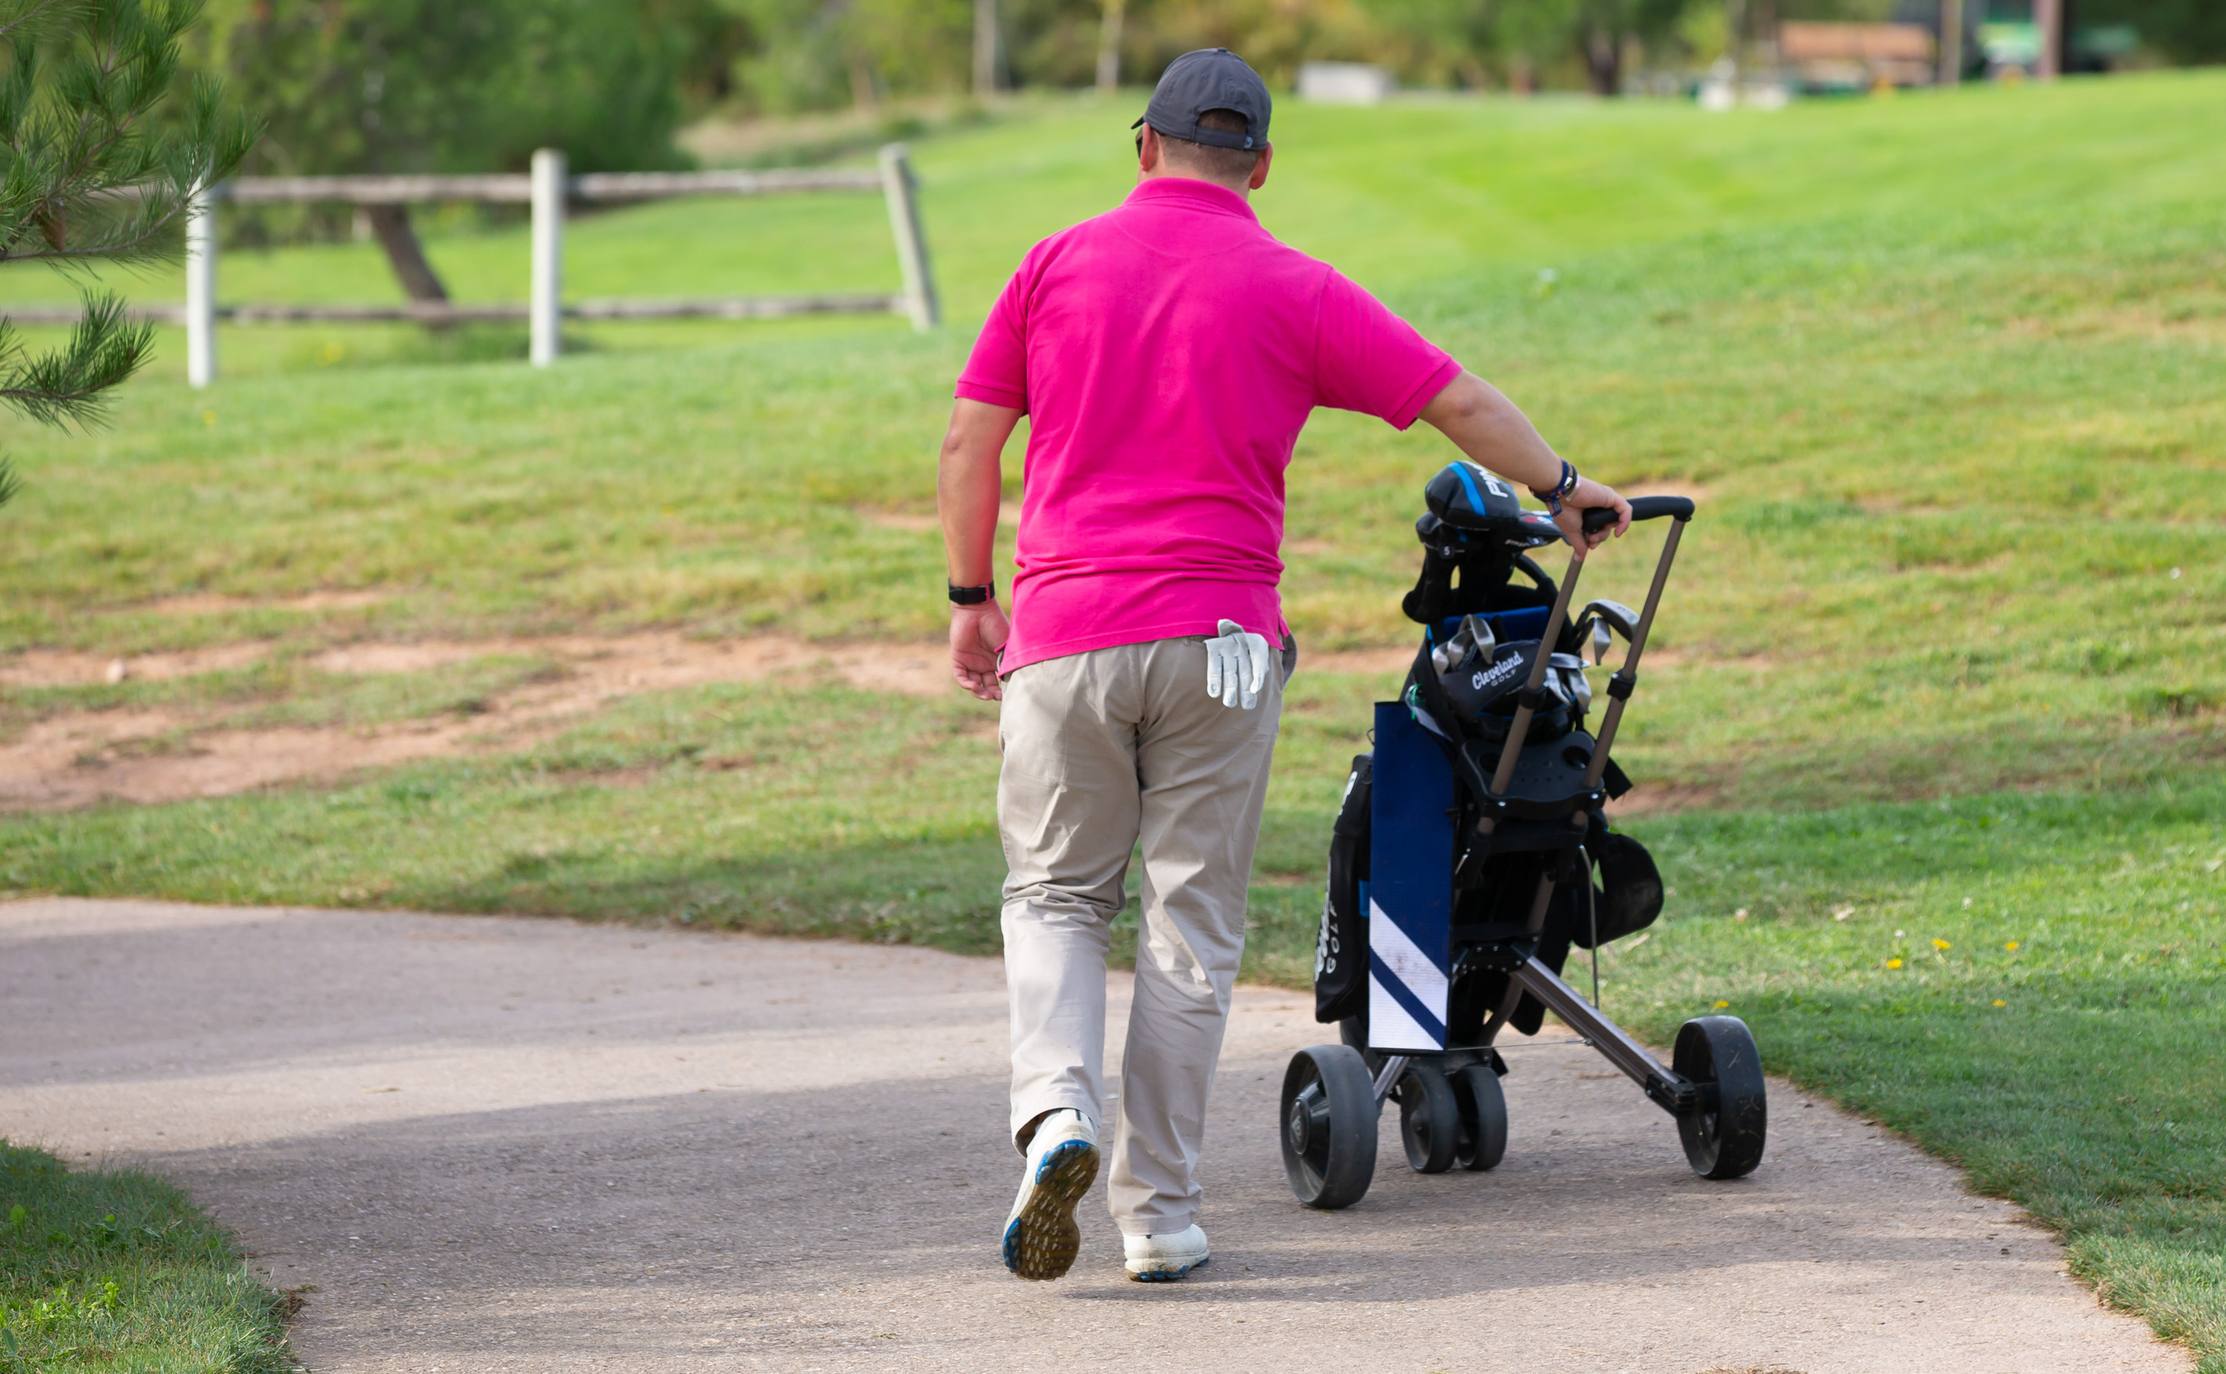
point(1236, 665)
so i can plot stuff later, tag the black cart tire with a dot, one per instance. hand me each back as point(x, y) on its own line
point(1724, 1136)
point(1327, 1122)
point(1429, 1118)
point(1483, 1108)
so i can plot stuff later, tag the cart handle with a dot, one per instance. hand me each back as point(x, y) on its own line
point(1598, 518)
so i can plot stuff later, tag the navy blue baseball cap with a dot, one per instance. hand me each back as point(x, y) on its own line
point(1209, 79)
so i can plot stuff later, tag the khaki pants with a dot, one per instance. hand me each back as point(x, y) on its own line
point(1102, 751)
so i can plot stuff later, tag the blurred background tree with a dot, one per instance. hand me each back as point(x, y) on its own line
point(800, 55)
point(394, 86)
point(2186, 31)
point(430, 85)
point(89, 174)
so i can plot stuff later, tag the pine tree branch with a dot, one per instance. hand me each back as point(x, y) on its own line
point(136, 236)
point(64, 166)
point(65, 217)
point(82, 178)
point(100, 125)
point(70, 384)
point(33, 17)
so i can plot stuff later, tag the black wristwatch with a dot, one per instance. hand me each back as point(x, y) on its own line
point(1552, 496)
point(972, 596)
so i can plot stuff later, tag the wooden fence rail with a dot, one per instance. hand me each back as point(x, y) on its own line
point(516, 188)
point(548, 191)
point(448, 313)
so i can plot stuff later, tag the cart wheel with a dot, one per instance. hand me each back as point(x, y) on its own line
point(1723, 1138)
point(1429, 1120)
point(1483, 1106)
point(1328, 1126)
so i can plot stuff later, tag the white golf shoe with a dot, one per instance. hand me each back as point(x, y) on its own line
point(1041, 1239)
point(1165, 1258)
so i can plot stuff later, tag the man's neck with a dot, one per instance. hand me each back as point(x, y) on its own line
point(1239, 188)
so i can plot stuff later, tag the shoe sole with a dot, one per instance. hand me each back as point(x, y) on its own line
point(1168, 1273)
point(1042, 1240)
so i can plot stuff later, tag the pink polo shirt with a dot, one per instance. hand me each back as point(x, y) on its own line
point(1167, 353)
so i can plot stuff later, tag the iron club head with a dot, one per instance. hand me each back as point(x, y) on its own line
point(1609, 615)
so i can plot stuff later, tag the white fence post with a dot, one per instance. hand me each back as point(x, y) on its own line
point(898, 188)
point(545, 312)
point(200, 311)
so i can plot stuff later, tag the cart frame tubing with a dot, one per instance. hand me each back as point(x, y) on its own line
point(1513, 997)
point(1626, 679)
point(1564, 1001)
point(1627, 1054)
point(1387, 1076)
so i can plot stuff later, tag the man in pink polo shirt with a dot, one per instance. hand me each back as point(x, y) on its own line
point(1167, 353)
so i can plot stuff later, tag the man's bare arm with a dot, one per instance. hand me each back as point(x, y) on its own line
point(968, 483)
point(1489, 428)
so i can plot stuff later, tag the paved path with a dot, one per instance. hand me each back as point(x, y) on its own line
point(517, 1145)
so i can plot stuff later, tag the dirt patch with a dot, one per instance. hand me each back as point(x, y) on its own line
point(923, 522)
point(413, 657)
point(2197, 323)
point(594, 670)
point(1654, 798)
point(653, 662)
point(1390, 660)
point(71, 668)
point(172, 754)
point(53, 746)
point(139, 756)
point(73, 766)
point(1664, 656)
point(600, 666)
point(1394, 660)
point(216, 603)
point(1665, 486)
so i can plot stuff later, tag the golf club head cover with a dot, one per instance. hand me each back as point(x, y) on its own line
point(1468, 497)
point(1629, 896)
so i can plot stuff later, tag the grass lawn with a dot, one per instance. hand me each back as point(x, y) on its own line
point(106, 1270)
point(1943, 660)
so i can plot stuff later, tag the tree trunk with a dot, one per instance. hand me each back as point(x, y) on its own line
point(1603, 60)
point(1951, 42)
point(1109, 45)
point(985, 49)
point(390, 224)
point(2048, 17)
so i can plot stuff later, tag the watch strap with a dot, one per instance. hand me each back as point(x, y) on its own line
point(1552, 495)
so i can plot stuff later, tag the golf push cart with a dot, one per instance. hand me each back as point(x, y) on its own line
point(1462, 869)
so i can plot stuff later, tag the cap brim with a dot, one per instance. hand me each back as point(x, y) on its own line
point(1140, 121)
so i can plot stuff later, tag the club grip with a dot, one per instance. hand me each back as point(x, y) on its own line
point(1642, 508)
